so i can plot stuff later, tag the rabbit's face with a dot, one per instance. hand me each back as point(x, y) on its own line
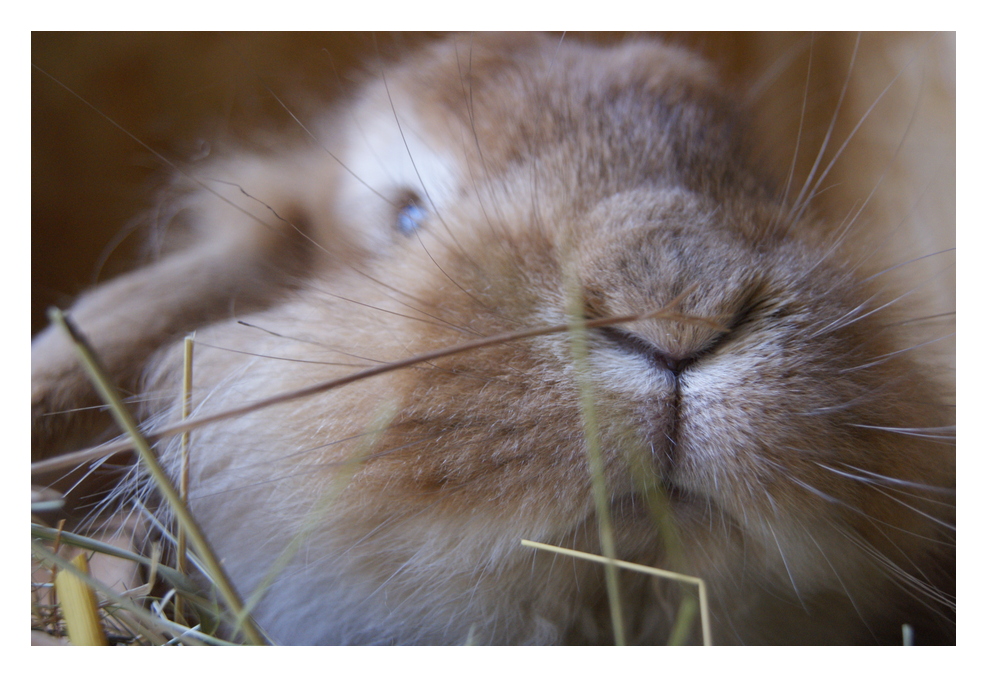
point(755, 415)
point(756, 412)
point(751, 412)
point(736, 429)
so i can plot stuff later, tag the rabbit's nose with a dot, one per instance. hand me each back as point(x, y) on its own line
point(674, 364)
point(664, 360)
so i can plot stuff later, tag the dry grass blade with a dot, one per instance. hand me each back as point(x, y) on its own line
point(45, 499)
point(151, 626)
point(174, 578)
point(640, 568)
point(79, 606)
point(180, 555)
point(594, 456)
point(83, 455)
point(161, 479)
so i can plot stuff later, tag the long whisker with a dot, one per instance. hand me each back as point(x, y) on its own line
point(81, 456)
point(921, 591)
point(174, 166)
point(887, 356)
point(315, 138)
point(801, 200)
point(798, 136)
point(421, 182)
point(869, 477)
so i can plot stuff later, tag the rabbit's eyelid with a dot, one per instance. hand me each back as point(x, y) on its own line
point(410, 218)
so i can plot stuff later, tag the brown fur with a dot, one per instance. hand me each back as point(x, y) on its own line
point(768, 429)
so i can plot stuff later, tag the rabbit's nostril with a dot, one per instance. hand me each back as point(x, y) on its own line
point(673, 364)
point(635, 344)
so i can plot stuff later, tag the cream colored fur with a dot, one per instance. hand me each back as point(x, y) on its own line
point(792, 425)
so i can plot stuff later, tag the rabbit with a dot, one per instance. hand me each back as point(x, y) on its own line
point(766, 385)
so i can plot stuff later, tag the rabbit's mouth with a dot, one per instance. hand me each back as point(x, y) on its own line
point(681, 501)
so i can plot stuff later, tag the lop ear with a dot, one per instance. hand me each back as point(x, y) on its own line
point(258, 225)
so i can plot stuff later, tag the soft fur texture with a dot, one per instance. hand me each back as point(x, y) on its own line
point(785, 434)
